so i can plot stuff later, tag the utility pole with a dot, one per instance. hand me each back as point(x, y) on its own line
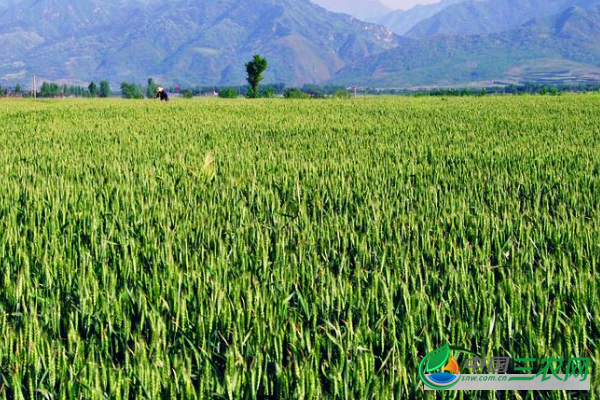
point(355, 91)
point(34, 87)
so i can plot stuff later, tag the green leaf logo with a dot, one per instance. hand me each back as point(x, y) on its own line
point(438, 358)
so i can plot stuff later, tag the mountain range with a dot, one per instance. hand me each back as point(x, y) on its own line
point(191, 42)
point(185, 41)
point(402, 21)
point(475, 17)
point(561, 48)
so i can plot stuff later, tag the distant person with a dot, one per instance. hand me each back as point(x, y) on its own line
point(162, 94)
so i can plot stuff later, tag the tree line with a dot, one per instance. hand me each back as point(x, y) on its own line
point(255, 69)
point(51, 90)
point(133, 91)
point(55, 90)
point(514, 89)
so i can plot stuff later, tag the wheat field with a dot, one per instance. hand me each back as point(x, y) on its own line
point(281, 249)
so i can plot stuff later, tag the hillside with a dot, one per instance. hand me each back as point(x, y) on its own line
point(475, 17)
point(186, 42)
point(402, 21)
point(561, 48)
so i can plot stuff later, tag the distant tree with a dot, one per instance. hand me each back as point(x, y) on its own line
point(295, 93)
point(278, 88)
point(151, 88)
point(18, 89)
point(255, 70)
point(50, 89)
point(93, 89)
point(131, 91)
point(187, 94)
point(512, 89)
point(314, 91)
point(44, 90)
point(104, 89)
point(267, 93)
point(228, 93)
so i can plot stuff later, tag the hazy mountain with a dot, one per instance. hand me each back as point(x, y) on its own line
point(475, 17)
point(401, 21)
point(561, 48)
point(7, 3)
point(207, 42)
point(187, 42)
point(366, 10)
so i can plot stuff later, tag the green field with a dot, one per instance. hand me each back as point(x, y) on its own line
point(215, 249)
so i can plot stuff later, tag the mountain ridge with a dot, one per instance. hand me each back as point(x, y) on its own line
point(564, 47)
point(186, 42)
point(475, 17)
point(402, 21)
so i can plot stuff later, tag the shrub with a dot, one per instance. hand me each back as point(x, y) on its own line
point(228, 93)
point(131, 91)
point(267, 93)
point(295, 93)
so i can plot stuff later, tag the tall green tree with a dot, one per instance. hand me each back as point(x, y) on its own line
point(18, 89)
point(104, 89)
point(151, 88)
point(93, 89)
point(255, 69)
